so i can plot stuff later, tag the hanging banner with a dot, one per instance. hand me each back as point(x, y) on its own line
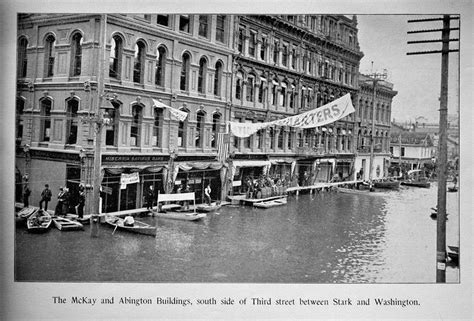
point(129, 178)
point(181, 115)
point(323, 115)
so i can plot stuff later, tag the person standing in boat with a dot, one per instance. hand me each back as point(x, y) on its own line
point(149, 197)
point(207, 194)
point(45, 197)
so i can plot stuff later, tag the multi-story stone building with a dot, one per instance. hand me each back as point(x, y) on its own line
point(75, 70)
point(68, 63)
point(285, 65)
point(384, 94)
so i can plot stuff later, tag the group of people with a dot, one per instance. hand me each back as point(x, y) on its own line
point(63, 200)
point(255, 186)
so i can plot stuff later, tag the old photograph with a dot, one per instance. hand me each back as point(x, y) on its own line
point(158, 148)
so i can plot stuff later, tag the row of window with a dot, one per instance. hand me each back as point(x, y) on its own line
point(382, 112)
point(288, 56)
point(111, 131)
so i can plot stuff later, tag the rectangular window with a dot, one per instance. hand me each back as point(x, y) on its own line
point(220, 29)
point(263, 48)
point(252, 43)
point(250, 84)
point(284, 56)
point(403, 151)
point(184, 22)
point(162, 19)
point(203, 25)
point(240, 44)
point(275, 52)
point(293, 58)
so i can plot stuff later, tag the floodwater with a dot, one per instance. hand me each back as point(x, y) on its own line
point(317, 238)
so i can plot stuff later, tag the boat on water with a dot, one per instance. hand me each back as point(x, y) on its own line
point(86, 219)
point(39, 222)
point(206, 208)
point(453, 253)
point(416, 178)
point(65, 224)
point(178, 214)
point(387, 184)
point(272, 203)
point(137, 227)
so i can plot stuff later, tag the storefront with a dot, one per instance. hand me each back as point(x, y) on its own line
point(243, 170)
point(344, 170)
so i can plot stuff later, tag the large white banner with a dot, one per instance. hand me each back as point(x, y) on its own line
point(129, 179)
point(323, 115)
point(181, 115)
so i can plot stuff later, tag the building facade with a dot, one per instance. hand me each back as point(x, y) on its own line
point(117, 76)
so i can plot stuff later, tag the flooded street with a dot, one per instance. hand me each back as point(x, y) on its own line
point(318, 238)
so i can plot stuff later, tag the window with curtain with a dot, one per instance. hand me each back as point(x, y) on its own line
point(76, 54)
point(45, 114)
point(72, 121)
point(186, 59)
point(160, 66)
point(111, 131)
point(202, 75)
point(135, 128)
point(139, 63)
point(198, 139)
point(218, 79)
point(22, 57)
point(115, 57)
point(49, 56)
point(216, 120)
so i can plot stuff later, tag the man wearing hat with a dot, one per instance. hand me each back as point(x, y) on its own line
point(58, 211)
point(45, 197)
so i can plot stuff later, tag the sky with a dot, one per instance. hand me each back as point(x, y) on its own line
point(416, 78)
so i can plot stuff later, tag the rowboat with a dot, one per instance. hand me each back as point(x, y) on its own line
point(272, 203)
point(416, 183)
point(27, 212)
point(138, 226)
point(415, 179)
point(205, 208)
point(387, 184)
point(86, 219)
point(65, 224)
point(453, 253)
point(177, 215)
point(39, 222)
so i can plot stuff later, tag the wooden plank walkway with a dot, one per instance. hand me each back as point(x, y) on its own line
point(319, 186)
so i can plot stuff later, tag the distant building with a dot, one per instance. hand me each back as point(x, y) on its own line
point(411, 149)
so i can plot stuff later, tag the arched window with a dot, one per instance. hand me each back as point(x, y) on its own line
point(202, 75)
point(216, 120)
point(160, 67)
point(139, 63)
point(76, 53)
point(20, 108)
point(111, 132)
point(238, 89)
point(185, 72)
point(182, 131)
point(45, 121)
point(22, 57)
point(280, 138)
point(49, 56)
point(157, 127)
point(200, 118)
point(135, 129)
point(115, 59)
point(72, 121)
point(261, 90)
point(283, 92)
point(218, 79)
point(274, 93)
point(250, 89)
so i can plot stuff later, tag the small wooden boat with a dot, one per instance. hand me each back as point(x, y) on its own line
point(205, 208)
point(453, 253)
point(27, 212)
point(387, 184)
point(272, 203)
point(183, 215)
point(415, 179)
point(86, 219)
point(65, 224)
point(39, 222)
point(423, 184)
point(138, 226)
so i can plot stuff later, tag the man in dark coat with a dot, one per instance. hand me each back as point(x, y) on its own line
point(45, 197)
point(149, 197)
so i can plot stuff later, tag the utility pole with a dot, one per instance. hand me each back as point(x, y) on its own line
point(443, 124)
point(375, 78)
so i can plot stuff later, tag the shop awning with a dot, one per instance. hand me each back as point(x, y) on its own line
point(281, 161)
point(250, 163)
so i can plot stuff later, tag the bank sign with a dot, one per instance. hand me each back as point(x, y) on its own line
point(323, 115)
point(128, 179)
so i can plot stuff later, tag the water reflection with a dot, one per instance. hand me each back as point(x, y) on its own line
point(317, 238)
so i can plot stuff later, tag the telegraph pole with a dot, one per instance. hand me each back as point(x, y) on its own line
point(443, 124)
